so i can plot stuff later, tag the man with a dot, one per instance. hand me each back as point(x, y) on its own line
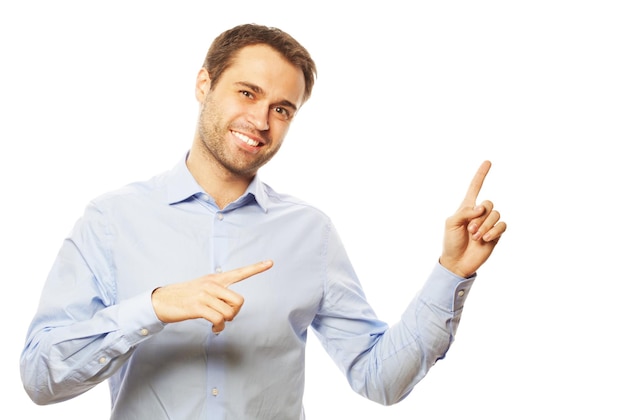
point(148, 290)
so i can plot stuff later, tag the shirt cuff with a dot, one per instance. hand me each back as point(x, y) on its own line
point(137, 319)
point(445, 289)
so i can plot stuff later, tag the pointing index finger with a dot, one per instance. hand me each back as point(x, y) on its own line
point(476, 184)
point(234, 276)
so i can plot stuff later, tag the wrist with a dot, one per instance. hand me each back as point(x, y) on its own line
point(453, 268)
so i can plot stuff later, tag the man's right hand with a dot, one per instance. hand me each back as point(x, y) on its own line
point(206, 297)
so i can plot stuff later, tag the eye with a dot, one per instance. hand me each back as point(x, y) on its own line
point(247, 94)
point(283, 113)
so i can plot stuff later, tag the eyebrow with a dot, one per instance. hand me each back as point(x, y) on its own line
point(257, 89)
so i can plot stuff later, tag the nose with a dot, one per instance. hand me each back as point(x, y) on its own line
point(258, 115)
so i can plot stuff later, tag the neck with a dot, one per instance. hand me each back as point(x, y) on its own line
point(221, 184)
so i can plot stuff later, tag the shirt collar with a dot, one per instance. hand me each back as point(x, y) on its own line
point(181, 186)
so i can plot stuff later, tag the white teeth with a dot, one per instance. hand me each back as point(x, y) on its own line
point(245, 139)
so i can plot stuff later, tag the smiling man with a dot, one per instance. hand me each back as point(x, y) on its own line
point(243, 119)
point(148, 289)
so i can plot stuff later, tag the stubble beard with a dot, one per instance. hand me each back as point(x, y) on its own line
point(212, 131)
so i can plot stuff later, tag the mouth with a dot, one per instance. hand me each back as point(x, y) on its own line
point(247, 140)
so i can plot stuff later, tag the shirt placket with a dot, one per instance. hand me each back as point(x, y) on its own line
point(216, 363)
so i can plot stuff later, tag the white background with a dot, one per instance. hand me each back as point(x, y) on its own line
point(411, 97)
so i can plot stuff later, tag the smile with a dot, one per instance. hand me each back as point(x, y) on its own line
point(245, 139)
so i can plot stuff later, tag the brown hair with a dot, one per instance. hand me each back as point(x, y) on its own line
point(228, 43)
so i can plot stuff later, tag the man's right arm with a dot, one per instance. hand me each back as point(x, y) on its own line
point(80, 334)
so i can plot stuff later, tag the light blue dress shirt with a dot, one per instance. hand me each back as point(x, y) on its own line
point(95, 320)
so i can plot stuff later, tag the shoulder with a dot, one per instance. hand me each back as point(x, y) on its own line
point(287, 202)
point(150, 191)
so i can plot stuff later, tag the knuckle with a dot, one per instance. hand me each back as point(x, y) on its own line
point(229, 314)
point(219, 319)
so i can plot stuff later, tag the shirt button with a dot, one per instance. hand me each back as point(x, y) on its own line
point(218, 269)
point(214, 392)
point(143, 331)
point(461, 293)
point(102, 360)
point(220, 216)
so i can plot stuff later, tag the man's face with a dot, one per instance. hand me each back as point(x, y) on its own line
point(245, 116)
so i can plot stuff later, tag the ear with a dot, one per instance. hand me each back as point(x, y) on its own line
point(203, 85)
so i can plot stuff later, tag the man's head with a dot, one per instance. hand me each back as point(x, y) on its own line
point(226, 45)
point(253, 82)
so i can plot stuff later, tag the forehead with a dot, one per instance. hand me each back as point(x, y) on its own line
point(263, 66)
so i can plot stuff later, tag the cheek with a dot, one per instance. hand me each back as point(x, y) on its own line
point(279, 130)
point(221, 105)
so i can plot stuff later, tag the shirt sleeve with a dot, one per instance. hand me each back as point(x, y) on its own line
point(80, 334)
point(381, 362)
